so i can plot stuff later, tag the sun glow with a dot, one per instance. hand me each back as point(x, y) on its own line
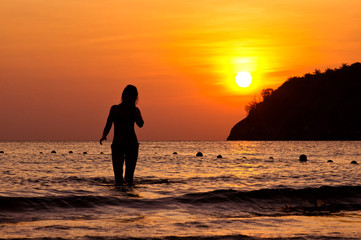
point(244, 79)
point(231, 66)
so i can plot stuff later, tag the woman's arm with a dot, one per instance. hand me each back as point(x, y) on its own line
point(108, 126)
point(138, 118)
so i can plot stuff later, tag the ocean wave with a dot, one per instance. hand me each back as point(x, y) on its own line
point(280, 194)
point(48, 203)
point(53, 203)
point(94, 180)
point(265, 202)
point(284, 201)
point(220, 237)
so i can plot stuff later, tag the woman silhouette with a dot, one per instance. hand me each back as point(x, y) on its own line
point(125, 143)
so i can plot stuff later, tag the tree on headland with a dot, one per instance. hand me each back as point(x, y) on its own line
point(251, 105)
point(266, 93)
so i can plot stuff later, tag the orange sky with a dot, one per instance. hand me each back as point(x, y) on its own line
point(64, 63)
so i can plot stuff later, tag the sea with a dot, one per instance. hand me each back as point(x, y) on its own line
point(236, 190)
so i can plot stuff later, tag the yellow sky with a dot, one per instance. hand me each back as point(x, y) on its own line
point(64, 63)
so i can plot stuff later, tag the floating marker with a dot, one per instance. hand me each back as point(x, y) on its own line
point(53, 151)
point(70, 151)
point(219, 156)
point(199, 154)
point(303, 158)
point(175, 153)
point(330, 161)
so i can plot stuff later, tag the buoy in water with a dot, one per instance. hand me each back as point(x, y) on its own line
point(84, 152)
point(330, 161)
point(1, 151)
point(270, 158)
point(199, 154)
point(41, 152)
point(219, 156)
point(70, 151)
point(303, 158)
point(101, 153)
point(53, 151)
point(175, 153)
point(354, 162)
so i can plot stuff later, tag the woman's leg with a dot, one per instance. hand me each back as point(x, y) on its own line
point(130, 163)
point(118, 161)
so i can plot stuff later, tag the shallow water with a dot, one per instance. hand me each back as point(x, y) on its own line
point(257, 190)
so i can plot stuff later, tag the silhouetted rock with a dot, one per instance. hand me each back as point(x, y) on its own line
point(303, 158)
point(101, 153)
point(219, 156)
point(70, 151)
point(199, 154)
point(41, 152)
point(270, 158)
point(354, 162)
point(318, 106)
point(1, 151)
point(330, 161)
point(85, 153)
point(175, 153)
point(53, 151)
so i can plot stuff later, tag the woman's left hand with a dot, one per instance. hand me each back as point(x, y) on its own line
point(102, 139)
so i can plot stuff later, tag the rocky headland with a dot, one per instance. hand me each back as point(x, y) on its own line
point(318, 106)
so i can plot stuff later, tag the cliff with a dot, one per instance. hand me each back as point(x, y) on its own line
point(318, 106)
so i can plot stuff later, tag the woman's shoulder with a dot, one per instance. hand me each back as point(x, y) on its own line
point(115, 107)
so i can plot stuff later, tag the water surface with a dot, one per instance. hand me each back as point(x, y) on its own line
point(257, 189)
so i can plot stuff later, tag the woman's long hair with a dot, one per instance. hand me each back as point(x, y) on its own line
point(130, 95)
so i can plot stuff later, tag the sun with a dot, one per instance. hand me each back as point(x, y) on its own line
point(244, 79)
